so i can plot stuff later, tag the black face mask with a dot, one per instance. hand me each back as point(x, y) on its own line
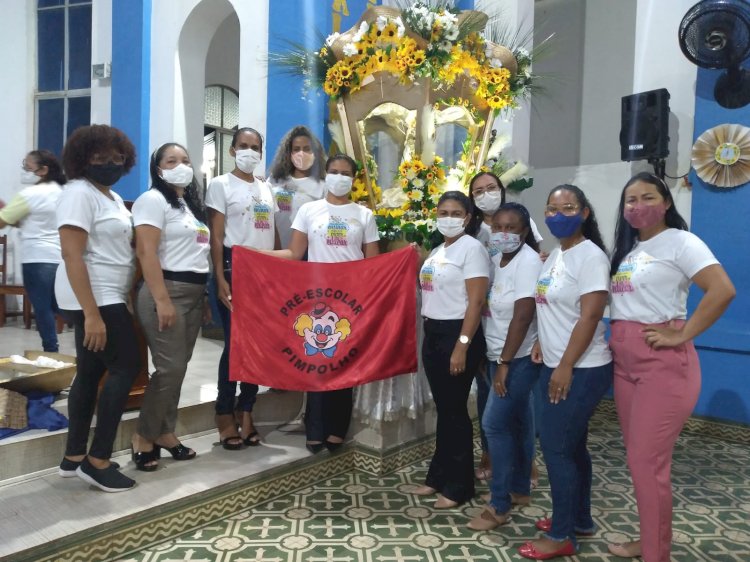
point(104, 174)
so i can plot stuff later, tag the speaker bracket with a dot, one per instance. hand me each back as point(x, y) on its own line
point(660, 166)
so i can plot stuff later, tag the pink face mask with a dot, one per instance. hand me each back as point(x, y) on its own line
point(645, 216)
point(303, 161)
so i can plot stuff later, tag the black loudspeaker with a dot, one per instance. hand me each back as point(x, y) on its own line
point(645, 126)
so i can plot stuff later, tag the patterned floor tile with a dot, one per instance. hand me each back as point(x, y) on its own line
point(362, 517)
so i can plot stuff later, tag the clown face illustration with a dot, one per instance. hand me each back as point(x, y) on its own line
point(322, 330)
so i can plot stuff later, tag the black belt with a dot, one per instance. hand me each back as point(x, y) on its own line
point(186, 277)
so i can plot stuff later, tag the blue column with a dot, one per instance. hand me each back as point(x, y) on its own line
point(307, 22)
point(465, 4)
point(720, 218)
point(131, 85)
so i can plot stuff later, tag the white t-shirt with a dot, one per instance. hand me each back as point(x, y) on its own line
point(335, 233)
point(565, 276)
point(484, 237)
point(517, 280)
point(652, 281)
point(40, 241)
point(109, 255)
point(443, 277)
point(183, 243)
point(248, 210)
point(290, 194)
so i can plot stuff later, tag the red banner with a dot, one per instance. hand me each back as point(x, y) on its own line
point(322, 326)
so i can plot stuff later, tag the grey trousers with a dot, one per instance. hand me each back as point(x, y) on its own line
point(171, 350)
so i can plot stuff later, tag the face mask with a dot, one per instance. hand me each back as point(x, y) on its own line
point(489, 201)
point(179, 176)
point(339, 184)
point(645, 216)
point(450, 227)
point(303, 161)
point(506, 242)
point(104, 174)
point(247, 160)
point(563, 226)
point(29, 178)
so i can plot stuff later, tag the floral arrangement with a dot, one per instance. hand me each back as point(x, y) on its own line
point(408, 210)
point(359, 192)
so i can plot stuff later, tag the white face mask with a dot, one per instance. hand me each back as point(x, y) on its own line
point(506, 242)
point(303, 161)
point(179, 176)
point(247, 160)
point(489, 201)
point(29, 178)
point(339, 184)
point(450, 227)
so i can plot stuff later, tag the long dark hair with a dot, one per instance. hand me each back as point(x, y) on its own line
point(589, 228)
point(54, 168)
point(522, 213)
point(626, 235)
point(477, 216)
point(190, 195)
point(282, 166)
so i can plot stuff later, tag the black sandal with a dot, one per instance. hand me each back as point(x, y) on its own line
point(229, 422)
point(250, 442)
point(141, 459)
point(179, 452)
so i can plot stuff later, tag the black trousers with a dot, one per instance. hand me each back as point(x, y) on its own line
point(452, 468)
point(121, 358)
point(328, 413)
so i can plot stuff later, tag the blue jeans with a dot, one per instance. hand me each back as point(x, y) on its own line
point(39, 281)
point(227, 390)
point(564, 431)
point(509, 424)
point(483, 391)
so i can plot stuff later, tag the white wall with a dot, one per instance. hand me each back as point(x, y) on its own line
point(101, 53)
point(223, 59)
point(657, 62)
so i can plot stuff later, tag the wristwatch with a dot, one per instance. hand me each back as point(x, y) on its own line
point(464, 339)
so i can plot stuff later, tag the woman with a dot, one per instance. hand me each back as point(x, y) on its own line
point(353, 228)
point(240, 212)
point(510, 332)
point(33, 211)
point(657, 374)
point(297, 177)
point(92, 284)
point(172, 247)
point(487, 194)
point(571, 294)
point(454, 281)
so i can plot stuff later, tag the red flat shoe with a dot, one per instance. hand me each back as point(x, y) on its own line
point(528, 550)
point(546, 526)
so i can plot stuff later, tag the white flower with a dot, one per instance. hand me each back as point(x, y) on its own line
point(364, 27)
point(496, 63)
point(451, 32)
point(350, 50)
point(332, 37)
point(445, 45)
point(523, 52)
point(381, 22)
point(518, 170)
point(416, 195)
point(416, 182)
point(411, 174)
point(400, 29)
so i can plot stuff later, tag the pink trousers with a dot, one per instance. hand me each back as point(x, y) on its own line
point(655, 393)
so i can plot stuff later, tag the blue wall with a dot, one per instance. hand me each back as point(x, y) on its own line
point(721, 218)
point(131, 86)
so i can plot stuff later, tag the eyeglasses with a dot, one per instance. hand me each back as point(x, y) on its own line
point(567, 209)
point(98, 159)
point(479, 189)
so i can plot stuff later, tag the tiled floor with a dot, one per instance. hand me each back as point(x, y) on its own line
point(357, 517)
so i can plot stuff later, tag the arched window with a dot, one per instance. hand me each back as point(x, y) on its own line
point(221, 118)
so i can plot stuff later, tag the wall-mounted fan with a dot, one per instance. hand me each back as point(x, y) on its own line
point(716, 34)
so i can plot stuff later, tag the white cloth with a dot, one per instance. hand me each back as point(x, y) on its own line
point(651, 284)
point(566, 276)
point(443, 277)
point(290, 194)
point(109, 255)
point(184, 240)
point(517, 280)
point(248, 210)
point(336, 233)
point(484, 237)
point(40, 241)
